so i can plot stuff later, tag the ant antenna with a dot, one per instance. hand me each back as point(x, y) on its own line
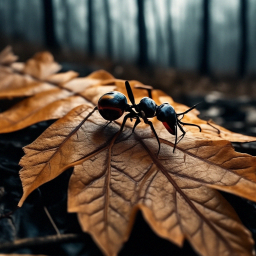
point(185, 112)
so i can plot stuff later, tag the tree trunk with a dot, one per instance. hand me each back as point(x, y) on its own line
point(204, 65)
point(109, 32)
point(172, 57)
point(143, 56)
point(90, 28)
point(243, 38)
point(50, 38)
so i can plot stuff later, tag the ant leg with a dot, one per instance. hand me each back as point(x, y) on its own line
point(146, 121)
point(183, 132)
point(107, 124)
point(190, 125)
point(149, 93)
point(154, 131)
point(149, 90)
point(145, 87)
point(124, 121)
point(208, 122)
point(136, 123)
point(175, 138)
point(129, 92)
point(188, 110)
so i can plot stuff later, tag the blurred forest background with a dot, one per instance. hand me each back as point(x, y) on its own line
point(216, 38)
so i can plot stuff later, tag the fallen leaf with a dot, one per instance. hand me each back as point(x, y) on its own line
point(41, 65)
point(118, 173)
point(52, 95)
point(62, 77)
point(18, 85)
point(51, 104)
point(7, 57)
point(80, 84)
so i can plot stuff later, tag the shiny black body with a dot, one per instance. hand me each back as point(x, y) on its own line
point(167, 115)
point(148, 106)
point(112, 105)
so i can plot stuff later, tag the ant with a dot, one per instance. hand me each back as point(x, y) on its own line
point(112, 105)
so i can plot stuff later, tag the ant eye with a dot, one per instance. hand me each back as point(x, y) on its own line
point(112, 105)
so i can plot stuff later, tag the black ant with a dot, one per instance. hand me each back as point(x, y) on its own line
point(112, 105)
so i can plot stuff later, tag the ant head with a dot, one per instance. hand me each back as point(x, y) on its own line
point(165, 112)
point(167, 115)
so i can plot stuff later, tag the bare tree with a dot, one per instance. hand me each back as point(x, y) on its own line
point(143, 55)
point(172, 55)
point(243, 37)
point(49, 32)
point(109, 31)
point(90, 28)
point(204, 64)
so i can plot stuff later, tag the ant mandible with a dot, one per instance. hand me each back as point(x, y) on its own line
point(112, 105)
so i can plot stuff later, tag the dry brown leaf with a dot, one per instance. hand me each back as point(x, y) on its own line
point(54, 96)
point(62, 77)
point(52, 104)
point(18, 85)
point(80, 84)
point(7, 57)
point(116, 174)
point(41, 66)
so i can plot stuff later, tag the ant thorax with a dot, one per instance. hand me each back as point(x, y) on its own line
point(148, 106)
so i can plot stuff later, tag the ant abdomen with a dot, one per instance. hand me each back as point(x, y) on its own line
point(112, 105)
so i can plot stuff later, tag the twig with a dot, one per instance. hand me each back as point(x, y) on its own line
point(52, 221)
point(48, 213)
point(31, 242)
